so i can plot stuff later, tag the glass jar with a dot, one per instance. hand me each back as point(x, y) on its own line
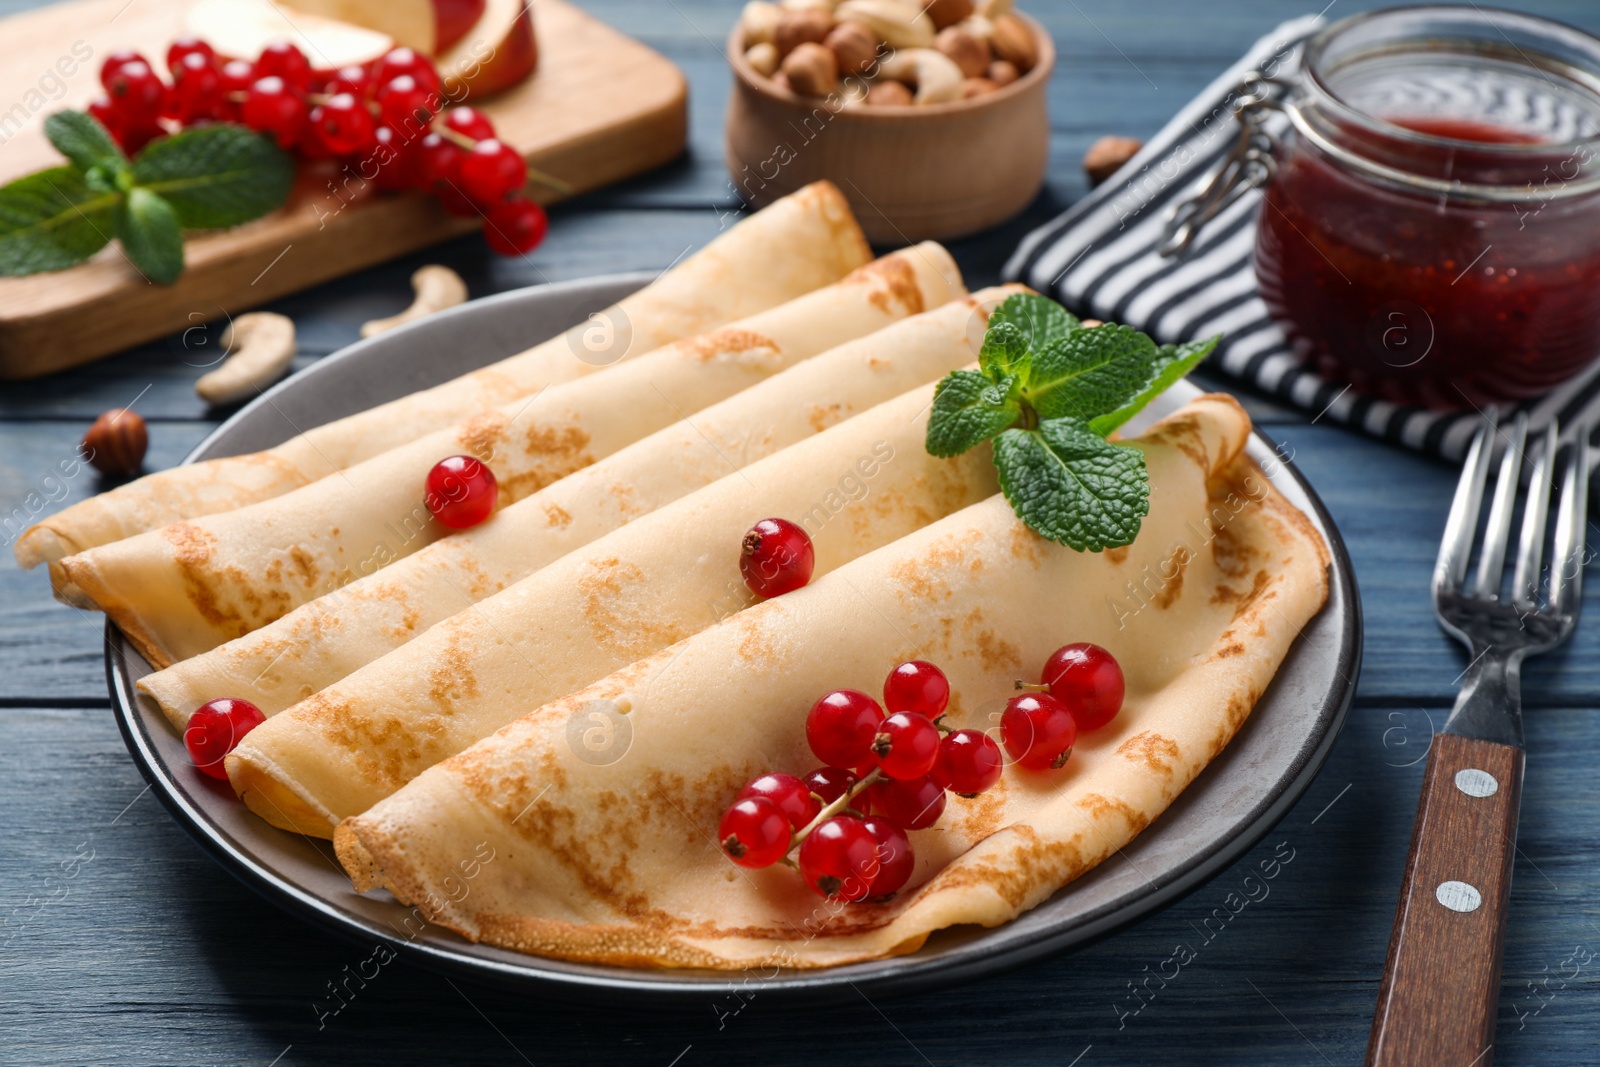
point(1430, 227)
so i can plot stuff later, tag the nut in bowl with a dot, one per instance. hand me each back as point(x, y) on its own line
point(932, 120)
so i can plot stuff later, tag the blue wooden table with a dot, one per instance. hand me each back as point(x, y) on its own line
point(120, 942)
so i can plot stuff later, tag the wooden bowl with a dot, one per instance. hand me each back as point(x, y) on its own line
point(910, 173)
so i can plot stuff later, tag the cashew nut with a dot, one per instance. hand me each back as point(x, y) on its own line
point(899, 23)
point(935, 75)
point(436, 287)
point(261, 346)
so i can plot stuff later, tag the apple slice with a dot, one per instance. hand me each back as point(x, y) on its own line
point(499, 51)
point(239, 29)
point(428, 26)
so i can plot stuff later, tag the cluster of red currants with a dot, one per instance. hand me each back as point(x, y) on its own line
point(378, 120)
point(887, 773)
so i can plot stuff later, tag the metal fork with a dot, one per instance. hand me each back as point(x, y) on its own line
point(1441, 983)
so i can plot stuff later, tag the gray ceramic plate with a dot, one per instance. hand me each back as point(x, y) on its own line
point(1232, 804)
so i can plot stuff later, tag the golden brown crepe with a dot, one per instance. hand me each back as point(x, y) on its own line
point(798, 244)
point(186, 588)
point(322, 641)
point(618, 863)
point(658, 579)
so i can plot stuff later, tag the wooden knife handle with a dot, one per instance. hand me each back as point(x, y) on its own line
point(1441, 984)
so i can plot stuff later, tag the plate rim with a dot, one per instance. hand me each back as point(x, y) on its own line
point(904, 974)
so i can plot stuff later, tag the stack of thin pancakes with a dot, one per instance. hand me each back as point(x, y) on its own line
point(435, 696)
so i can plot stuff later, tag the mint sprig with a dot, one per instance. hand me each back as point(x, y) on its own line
point(204, 178)
point(1048, 392)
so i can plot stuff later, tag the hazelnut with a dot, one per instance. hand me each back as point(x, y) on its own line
point(796, 28)
point(780, 80)
point(1107, 155)
point(1002, 73)
point(758, 22)
point(116, 443)
point(976, 87)
point(1013, 42)
point(947, 12)
point(854, 46)
point(763, 59)
point(965, 50)
point(811, 70)
point(889, 94)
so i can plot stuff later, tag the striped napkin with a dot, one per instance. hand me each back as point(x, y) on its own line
point(1099, 259)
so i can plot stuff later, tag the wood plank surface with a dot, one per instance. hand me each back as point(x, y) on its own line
point(150, 953)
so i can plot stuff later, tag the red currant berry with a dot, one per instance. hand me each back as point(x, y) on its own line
point(754, 832)
point(1038, 730)
point(273, 107)
point(404, 61)
point(215, 729)
point(839, 858)
point(438, 161)
point(895, 858)
point(841, 727)
point(354, 79)
point(136, 92)
point(515, 227)
point(917, 686)
point(405, 105)
point(461, 491)
point(492, 170)
point(185, 46)
point(969, 762)
point(791, 795)
point(1088, 680)
point(196, 88)
point(776, 557)
point(831, 783)
point(915, 803)
point(906, 745)
point(105, 114)
point(469, 122)
point(238, 75)
point(390, 162)
point(344, 125)
point(115, 62)
point(280, 59)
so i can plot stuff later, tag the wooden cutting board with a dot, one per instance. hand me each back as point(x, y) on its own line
point(600, 108)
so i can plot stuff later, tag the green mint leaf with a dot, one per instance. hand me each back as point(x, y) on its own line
point(1172, 362)
point(968, 409)
point(150, 235)
point(1041, 320)
point(82, 139)
point(1090, 372)
point(216, 176)
point(1069, 484)
point(52, 220)
point(1004, 353)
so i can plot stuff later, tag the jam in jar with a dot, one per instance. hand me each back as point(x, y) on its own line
point(1430, 231)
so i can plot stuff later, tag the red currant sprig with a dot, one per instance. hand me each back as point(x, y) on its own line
point(380, 120)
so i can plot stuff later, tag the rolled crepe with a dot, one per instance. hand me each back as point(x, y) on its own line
point(800, 243)
point(618, 862)
point(320, 642)
point(186, 588)
point(658, 579)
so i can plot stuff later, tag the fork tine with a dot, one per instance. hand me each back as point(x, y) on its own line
point(1566, 578)
point(1535, 516)
point(1456, 545)
point(1492, 562)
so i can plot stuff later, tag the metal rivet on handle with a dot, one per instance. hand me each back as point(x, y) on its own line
point(1476, 783)
point(1458, 896)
